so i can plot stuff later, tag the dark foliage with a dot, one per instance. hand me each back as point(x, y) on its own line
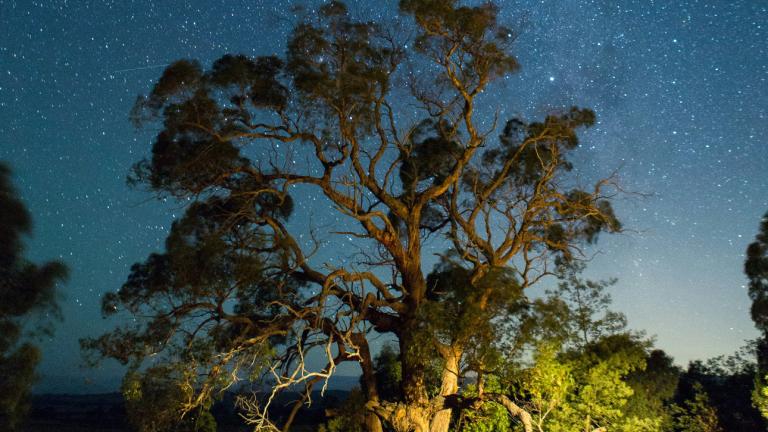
point(26, 289)
point(654, 387)
point(728, 382)
point(756, 269)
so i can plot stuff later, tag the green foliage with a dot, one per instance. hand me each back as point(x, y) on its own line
point(654, 389)
point(574, 314)
point(545, 386)
point(697, 414)
point(388, 372)
point(601, 374)
point(760, 396)
point(599, 391)
point(463, 309)
point(349, 416)
point(157, 400)
point(26, 289)
point(492, 417)
point(587, 371)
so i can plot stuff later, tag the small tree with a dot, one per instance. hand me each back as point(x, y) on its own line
point(654, 389)
point(349, 416)
point(25, 289)
point(697, 415)
point(155, 401)
point(756, 269)
point(391, 128)
point(586, 371)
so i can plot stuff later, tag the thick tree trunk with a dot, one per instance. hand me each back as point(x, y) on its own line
point(413, 366)
point(372, 421)
point(449, 386)
point(402, 417)
point(411, 418)
point(413, 414)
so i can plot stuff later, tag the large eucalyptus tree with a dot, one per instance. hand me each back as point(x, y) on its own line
point(390, 126)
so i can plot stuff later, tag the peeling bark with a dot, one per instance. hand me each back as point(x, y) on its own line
point(372, 421)
point(450, 386)
point(402, 417)
point(515, 411)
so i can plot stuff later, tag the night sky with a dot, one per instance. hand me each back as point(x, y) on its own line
point(680, 90)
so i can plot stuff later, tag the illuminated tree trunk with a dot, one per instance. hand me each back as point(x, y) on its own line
point(372, 421)
point(414, 413)
point(413, 366)
point(449, 386)
point(515, 411)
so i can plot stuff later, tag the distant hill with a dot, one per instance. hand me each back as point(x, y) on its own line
point(74, 413)
point(78, 385)
point(82, 383)
point(105, 412)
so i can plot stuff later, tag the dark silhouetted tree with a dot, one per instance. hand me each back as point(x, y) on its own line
point(573, 314)
point(728, 383)
point(25, 289)
point(653, 389)
point(154, 402)
point(756, 269)
point(349, 416)
point(697, 414)
point(388, 373)
point(393, 130)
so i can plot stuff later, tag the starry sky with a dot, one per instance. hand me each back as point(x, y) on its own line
point(680, 89)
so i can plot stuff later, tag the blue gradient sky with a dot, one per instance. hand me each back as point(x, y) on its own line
point(680, 89)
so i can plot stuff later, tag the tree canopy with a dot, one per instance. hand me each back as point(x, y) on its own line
point(26, 289)
point(389, 127)
point(756, 270)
